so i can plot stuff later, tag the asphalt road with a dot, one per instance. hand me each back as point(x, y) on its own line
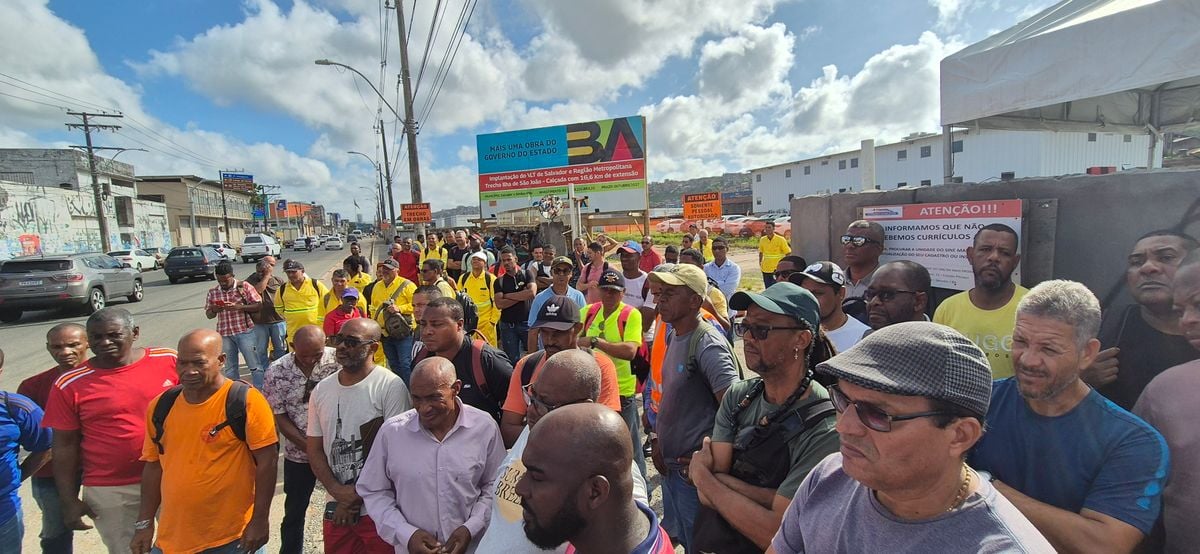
point(167, 312)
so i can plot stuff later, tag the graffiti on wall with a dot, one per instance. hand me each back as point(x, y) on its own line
point(47, 220)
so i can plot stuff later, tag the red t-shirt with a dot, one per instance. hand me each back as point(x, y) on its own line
point(410, 265)
point(108, 407)
point(37, 388)
point(336, 318)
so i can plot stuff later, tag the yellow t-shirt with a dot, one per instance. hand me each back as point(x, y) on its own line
point(607, 329)
point(207, 482)
point(300, 307)
point(707, 251)
point(359, 281)
point(482, 292)
point(381, 292)
point(990, 330)
point(772, 249)
point(438, 252)
point(718, 301)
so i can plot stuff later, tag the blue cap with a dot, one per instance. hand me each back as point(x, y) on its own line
point(631, 246)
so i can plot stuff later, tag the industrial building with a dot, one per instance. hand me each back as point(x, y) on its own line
point(978, 156)
point(197, 209)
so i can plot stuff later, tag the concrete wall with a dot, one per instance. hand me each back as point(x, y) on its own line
point(53, 220)
point(1078, 227)
point(53, 167)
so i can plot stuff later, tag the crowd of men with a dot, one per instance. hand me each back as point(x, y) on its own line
point(488, 395)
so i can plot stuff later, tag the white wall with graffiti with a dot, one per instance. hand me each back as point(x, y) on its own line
point(50, 220)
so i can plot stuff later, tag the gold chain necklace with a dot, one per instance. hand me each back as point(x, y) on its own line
point(962, 490)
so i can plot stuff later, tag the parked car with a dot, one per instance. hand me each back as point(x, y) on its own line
point(160, 254)
point(334, 243)
point(733, 226)
point(258, 246)
point(783, 227)
point(753, 226)
point(87, 280)
point(301, 244)
point(192, 261)
point(136, 258)
point(226, 250)
point(664, 226)
point(717, 226)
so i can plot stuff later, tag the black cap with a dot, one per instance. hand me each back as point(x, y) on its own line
point(293, 265)
point(612, 279)
point(558, 312)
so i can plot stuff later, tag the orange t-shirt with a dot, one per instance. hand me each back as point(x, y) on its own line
point(609, 394)
point(207, 483)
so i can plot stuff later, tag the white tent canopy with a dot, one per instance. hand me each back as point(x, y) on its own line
point(1095, 65)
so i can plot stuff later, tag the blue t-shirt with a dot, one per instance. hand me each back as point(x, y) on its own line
point(1096, 456)
point(541, 298)
point(20, 426)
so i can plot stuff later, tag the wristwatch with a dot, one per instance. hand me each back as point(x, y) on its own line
point(595, 340)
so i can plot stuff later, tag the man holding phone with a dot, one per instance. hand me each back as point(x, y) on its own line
point(231, 302)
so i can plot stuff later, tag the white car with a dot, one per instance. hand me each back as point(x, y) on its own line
point(225, 249)
point(300, 244)
point(334, 243)
point(258, 246)
point(136, 258)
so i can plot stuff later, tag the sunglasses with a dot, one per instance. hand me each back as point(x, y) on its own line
point(309, 385)
point(561, 271)
point(858, 241)
point(532, 400)
point(760, 332)
point(350, 342)
point(884, 295)
point(874, 418)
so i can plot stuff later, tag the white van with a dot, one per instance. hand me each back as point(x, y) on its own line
point(257, 246)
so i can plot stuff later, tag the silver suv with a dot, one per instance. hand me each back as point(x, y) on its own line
point(87, 280)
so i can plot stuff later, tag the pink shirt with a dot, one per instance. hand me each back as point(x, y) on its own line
point(443, 484)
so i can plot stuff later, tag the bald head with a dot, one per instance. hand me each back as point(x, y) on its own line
point(362, 327)
point(589, 439)
point(570, 373)
point(200, 340)
point(434, 372)
point(311, 336)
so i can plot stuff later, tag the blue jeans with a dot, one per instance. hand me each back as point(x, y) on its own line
point(629, 412)
point(55, 537)
point(512, 338)
point(270, 334)
point(11, 534)
point(246, 344)
point(399, 356)
point(680, 504)
point(231, 548)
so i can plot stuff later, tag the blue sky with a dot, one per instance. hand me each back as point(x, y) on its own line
point(725, 85)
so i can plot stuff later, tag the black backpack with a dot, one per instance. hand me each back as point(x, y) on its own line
point(235, 412)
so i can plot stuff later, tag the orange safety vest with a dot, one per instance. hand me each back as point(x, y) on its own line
point(658, 351)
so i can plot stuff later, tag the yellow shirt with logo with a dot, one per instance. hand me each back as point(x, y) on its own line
point(381, 292)
point(606, 327)
point(990, 330)
point(300, 307)
point(772, 249)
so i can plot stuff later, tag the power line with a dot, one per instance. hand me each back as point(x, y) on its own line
point(438, 84)
point(34, 101)
point(59, 94)
point(430, 38)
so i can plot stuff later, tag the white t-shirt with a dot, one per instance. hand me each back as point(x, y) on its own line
point(847, 335)
point(505, 532)
point(337, 412)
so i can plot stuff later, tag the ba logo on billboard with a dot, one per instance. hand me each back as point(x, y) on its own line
point(588, 142)
point(883, 212)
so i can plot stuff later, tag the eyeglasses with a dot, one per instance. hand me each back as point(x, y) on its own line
point(874, 418)
point(561, 271)
point(884, 295)
point(532, 400)
point(350, 342)
point(760, 332)
point(645, 242)
point(858, 241)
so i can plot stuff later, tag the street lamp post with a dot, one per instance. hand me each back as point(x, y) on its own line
point(380, 213)
point(410, 130)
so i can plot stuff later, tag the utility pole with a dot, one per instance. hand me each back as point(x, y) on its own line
point(97, 197)
point(387, 168)
point(224, 209)
point(410, 124)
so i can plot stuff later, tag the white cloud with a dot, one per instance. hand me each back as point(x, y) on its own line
point(949, 13)
point(466, 154)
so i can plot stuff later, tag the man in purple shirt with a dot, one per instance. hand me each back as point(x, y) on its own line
point(445, 453)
